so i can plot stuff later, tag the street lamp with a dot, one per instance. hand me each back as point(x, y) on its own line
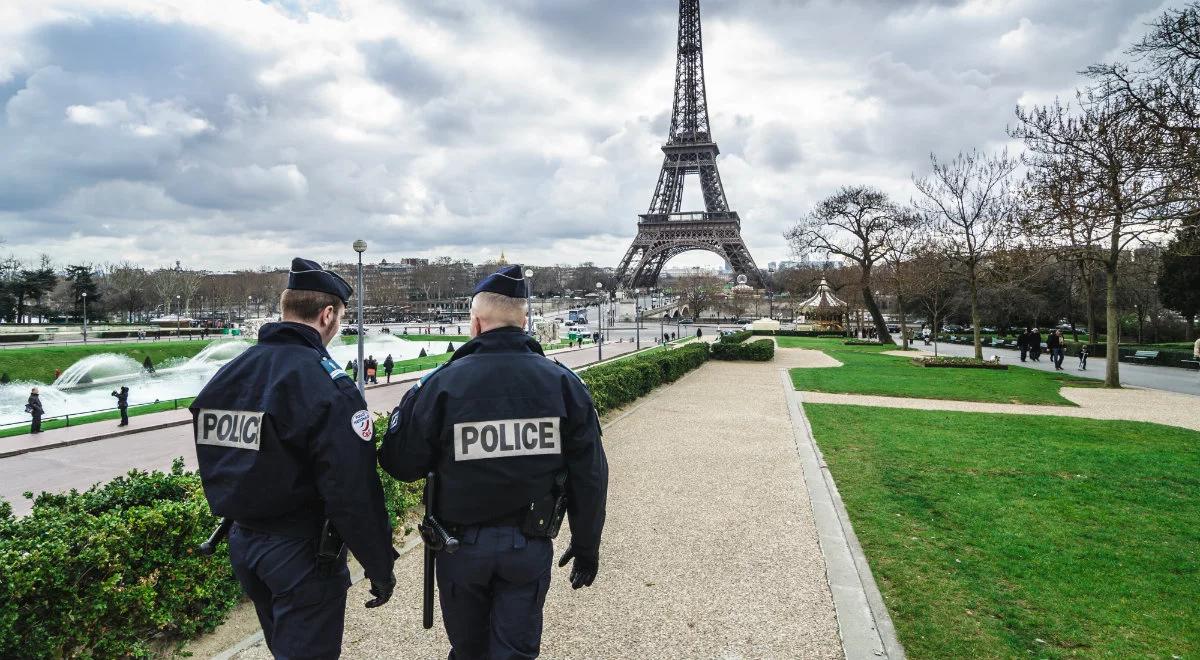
point(178, 314)
point(84, 317)
point(637, 317)
point(529, 298)
point(360, 373)
point(599, 321)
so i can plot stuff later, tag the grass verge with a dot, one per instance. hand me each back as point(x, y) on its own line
point(134, 411)
point(865, 371)
point(998, 536)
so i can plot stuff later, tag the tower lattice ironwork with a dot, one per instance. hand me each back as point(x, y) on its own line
point(665, 231)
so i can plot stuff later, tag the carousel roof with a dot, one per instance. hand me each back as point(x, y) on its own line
point(823, 298)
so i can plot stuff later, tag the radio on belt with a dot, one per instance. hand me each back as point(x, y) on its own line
point(502, 438)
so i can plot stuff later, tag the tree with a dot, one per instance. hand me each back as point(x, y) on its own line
point(124, 286)
point(1114, 157)
point(1179, 274)
point(856, 223)
point(934, 277)
point(82, 282)
point(902, 246)
point(972, 205)
point(700, 292)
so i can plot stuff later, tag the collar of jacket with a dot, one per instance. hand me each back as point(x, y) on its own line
point(500, 340)
point(288, 332)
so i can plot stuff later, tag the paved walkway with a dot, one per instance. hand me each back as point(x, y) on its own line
point(710, 550)
point(1171, 379)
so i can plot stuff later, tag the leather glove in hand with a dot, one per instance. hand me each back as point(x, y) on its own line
point(583, 570)
point(382, 590)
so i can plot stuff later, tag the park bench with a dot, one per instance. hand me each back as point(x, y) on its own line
point(1142, 356)
point(1193, 364)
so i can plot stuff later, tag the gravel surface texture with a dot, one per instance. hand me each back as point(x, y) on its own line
point(1136, 405)
point(710, 549)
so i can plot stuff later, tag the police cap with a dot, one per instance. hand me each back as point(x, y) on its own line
point(508, 281)
point(309, 276)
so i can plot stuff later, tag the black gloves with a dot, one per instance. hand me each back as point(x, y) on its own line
point(583, 571)
point(382, 590)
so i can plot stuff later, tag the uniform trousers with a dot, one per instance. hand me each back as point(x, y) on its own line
point(301, 605)
point(492, 591)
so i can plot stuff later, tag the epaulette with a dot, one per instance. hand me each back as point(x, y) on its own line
point(335, 372)
point(431, 373)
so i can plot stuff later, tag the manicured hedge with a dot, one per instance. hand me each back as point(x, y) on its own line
point(8, 338)
point(103, 573)
point(760, 350)
point(958, 363)
point(623, 381)
point(736, 337)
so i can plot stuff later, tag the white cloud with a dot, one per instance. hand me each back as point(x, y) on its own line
point(229, 133)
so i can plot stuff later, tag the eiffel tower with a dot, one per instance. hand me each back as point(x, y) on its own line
point(664, 231)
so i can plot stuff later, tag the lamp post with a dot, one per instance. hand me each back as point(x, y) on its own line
point(637, 317)
point(178, 314)
point(85, 317)
point(599, 321)
point(529, 298)
point(360, 373)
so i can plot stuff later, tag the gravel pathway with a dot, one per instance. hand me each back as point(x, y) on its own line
point(710, 550)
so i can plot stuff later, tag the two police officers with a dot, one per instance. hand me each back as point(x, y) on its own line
point(509, 434)
point(286, 450)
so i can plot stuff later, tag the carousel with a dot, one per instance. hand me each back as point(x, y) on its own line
point(824, 312)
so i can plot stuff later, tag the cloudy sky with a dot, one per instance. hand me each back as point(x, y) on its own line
point(234, 133)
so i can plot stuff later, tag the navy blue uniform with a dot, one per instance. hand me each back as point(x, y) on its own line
point(284, 442)
point(496, 424)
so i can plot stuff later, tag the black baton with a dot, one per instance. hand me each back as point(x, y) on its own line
point(210, 545)
point(436, 538)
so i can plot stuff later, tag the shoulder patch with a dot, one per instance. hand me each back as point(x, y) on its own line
point(361, 423)
point(335, 372)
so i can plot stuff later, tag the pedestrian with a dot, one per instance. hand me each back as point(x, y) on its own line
point(1035, 345)
point(57, 373)
point(498, 499)
point(1196, 349)
point(1054, 342)
point(352, 370)
point(285, 447)
point(698, 333)
point(1083, 356)
point(123, 404)
point(34, 407)
point(1023, 343)
point(388, 365)
point(371, 367)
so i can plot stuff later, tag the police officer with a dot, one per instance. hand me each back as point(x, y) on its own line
point(285, 444)
point(501, 425)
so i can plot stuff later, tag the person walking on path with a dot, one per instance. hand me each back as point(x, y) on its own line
point(372, 369)
point(503, 502)
point(1035, 345)
point(388, 365)
point(1196, 349)
point(1023, 343)
point(35, 409)
point(123, 404)
point(699, 333)
point(1055, 343)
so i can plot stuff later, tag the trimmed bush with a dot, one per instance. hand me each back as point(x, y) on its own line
point(760, 350)
point(105, 572)
point(620, 382)
point(797, 333)
point(958, 363)
point(861, 342)
point(9, 338)
point(735, 337)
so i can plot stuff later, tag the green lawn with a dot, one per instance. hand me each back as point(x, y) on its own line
point(37, 363)
point(865, 371)
point(99, 417)
point(1004, 536)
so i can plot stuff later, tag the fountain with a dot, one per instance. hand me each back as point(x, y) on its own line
point(86, 385)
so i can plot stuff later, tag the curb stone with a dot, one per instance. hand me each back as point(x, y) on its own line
point(865, 628)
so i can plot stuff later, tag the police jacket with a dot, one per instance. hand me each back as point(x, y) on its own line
point(284, 440)
point(496, 423)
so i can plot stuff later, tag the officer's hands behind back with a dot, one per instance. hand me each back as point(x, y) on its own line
point(382, 591)
point(583, 570)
